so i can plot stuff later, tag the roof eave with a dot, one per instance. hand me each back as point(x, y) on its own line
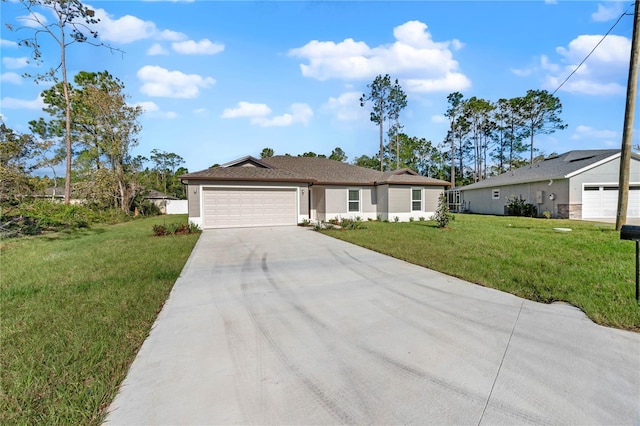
point(250, 179)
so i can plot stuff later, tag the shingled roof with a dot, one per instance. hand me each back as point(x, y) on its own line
point(308, 170)
point(562, 166)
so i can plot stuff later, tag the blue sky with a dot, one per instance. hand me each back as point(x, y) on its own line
point(221, 80)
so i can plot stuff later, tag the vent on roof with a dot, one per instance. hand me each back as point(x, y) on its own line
point(573, 160)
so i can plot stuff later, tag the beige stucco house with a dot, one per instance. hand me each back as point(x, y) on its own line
point(575, 185)
point(285, 190)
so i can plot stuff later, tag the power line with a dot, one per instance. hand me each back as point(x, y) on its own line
point(592, 50)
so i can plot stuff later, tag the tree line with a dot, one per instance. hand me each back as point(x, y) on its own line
point(484, 137)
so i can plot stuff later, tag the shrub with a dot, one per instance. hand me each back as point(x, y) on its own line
point(175, 229)
point(442, 215)
point(411, 219)
point(396, 219)
point(517, 206)
point(421, 219)
point(304, 222)
point(352, 224)
point(37, 216)
point(160, 230)
point(546, 214)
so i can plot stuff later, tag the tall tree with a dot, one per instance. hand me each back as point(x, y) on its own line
point(387, 100)
point(102, 104)
point(104, 128)
point(266, 153)
point(541, 114)
point(366, 161)
point(72, 24)
point(453, 113)
point(338, 154)
point(477, 112)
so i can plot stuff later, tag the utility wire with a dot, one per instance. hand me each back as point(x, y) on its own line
point(592, 50)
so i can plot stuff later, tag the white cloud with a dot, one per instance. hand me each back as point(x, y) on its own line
point(160, 82)
point(439, 119)
point(609, 11)
point(522, 72)
point(13, 103)
point(156, 50)
point(7, 43)
point(414, 57)
point(246, 109)
point(202, 47)
point(172, 35)
point(602, 74)
point(125, 29)
point(300, 113)
point(586, 132)
point(11, 77)
point(148, 106)
point(129, 28)
point(34, 20)
point(346, 107)
point(153, 110)
point(15, 63)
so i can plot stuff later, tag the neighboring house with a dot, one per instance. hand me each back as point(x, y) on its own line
point(166, 203)
point(57, 194)
point(285, 190)
point(574, 185)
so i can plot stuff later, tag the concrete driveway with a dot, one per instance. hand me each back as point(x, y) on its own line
point(288, 326)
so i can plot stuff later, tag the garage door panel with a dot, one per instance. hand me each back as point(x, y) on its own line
point(601, 201)
point(246, 207)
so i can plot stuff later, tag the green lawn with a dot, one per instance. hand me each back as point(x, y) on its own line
point(589, 267)
point(75, 308)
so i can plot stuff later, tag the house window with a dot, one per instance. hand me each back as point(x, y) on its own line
point(495, 194)
point(416, 199)
point(354, 200)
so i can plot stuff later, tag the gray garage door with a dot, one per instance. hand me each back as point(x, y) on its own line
point(247, 207)
point(601, 201)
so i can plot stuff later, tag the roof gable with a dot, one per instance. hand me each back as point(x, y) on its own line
point(247, 161)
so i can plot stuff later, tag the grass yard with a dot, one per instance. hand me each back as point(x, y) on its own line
point(589, 267)
point(75, 308)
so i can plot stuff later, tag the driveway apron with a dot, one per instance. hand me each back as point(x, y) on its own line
point(288, 326)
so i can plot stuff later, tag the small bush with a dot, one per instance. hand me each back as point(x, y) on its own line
point(304, 222)
point(352, 224)
point(175, 229)
point(442, 215)
point(546, 214)
point(411, 219)
point(160, 230)
point(421, 219)
point(396, 219)
point(517, 206)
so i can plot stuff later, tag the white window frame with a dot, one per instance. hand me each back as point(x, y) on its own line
point(349, 201)
point(416, 201)
point(495, 194)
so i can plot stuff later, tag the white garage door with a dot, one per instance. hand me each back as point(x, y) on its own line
point(601, 201)
point(245, 207)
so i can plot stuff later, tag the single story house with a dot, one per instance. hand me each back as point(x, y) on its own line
point(285, 190)
point(164, 201)
point(580, 184)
